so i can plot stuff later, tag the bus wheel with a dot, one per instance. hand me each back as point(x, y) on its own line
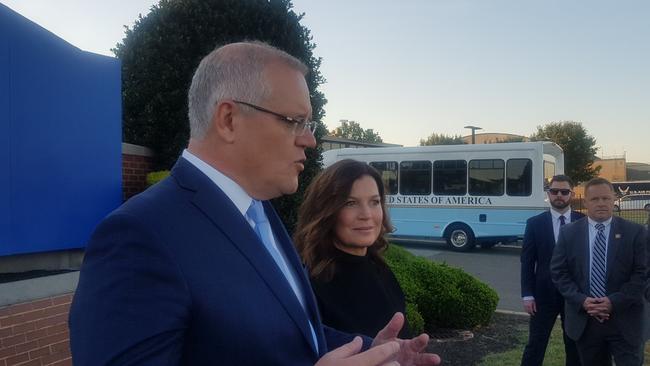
point(460, 237)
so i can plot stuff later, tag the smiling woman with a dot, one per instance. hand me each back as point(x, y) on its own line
point(340, 236)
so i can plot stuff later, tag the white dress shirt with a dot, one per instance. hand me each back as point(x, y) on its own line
point(555, 215)
point(592, 239)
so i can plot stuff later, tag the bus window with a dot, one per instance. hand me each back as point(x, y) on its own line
point(519, 179)
point(486, 177)
point(549, 172)
point(450, 177)
point(388, 172)
point(415, 177)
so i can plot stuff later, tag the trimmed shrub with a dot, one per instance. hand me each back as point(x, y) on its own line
point(155, 177)
point(414, 318)
point(446, 297)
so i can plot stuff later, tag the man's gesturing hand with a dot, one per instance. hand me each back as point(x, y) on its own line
point(348, 355)
point(410, 349)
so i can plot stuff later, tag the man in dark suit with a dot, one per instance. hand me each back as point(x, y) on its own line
point(198, 269)
point(599, 266)
point(541, 299)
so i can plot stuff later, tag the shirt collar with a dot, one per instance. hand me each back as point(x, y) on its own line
point(593, 223)
point(556, 215)
point(234, 191)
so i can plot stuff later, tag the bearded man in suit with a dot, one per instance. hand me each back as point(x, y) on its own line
point(540, 297)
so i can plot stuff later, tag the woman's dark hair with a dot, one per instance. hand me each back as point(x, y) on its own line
point(315, 233)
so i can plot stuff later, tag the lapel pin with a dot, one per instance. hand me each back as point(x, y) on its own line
point(617, 236)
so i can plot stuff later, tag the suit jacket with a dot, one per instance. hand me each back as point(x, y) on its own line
point(536, 253)
point(176, 276)
point(626, 276)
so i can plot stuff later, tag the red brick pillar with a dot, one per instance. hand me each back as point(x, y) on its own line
point(137, 162)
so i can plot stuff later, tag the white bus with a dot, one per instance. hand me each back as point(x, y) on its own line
point(466, 194)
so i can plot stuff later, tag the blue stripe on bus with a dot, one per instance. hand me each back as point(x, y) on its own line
point(432, 222)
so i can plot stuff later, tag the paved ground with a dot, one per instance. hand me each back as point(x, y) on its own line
point(499, 267)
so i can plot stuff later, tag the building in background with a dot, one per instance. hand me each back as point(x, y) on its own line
point(612, 168)
point(333, 142)
point(638, 171)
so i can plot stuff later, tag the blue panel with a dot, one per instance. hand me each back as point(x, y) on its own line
point(5, 113)
point(65, 141)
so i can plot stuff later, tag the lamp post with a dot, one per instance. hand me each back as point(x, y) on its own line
point(473, 128)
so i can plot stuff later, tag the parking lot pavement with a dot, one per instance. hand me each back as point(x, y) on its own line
point(499, 267)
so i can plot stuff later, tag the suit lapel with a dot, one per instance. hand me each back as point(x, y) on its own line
point(548, 230)
point(614, 243)
point(295, 264)
point(584, 252)
point(209, 199)
point(575, 216)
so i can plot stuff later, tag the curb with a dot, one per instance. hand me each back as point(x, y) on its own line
point(510, 312)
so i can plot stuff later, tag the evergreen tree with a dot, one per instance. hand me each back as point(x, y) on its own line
point(353, 131)
point(579, 148)
point(163, 48)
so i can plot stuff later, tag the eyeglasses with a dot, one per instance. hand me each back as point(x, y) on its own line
point(299, 127)
point(564, 192)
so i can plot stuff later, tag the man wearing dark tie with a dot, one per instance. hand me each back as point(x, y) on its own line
point(599, 266)
point(541, 299)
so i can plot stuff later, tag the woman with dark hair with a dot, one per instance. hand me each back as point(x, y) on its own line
point(340, 237)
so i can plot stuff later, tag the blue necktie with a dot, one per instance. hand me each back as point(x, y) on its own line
point(599, 263)
point(562, 220)
point(263, 230)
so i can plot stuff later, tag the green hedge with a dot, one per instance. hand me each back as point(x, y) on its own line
point(414, 318)
point(155, 177)
point(446, 297)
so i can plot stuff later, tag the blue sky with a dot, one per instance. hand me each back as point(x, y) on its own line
point(414, 67)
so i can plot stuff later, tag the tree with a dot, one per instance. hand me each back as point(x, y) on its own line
point(579, 148)
point(353, 131)
point(442, 139)
point(162, 50)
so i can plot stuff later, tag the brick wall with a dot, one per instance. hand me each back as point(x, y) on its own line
point(137, 162)
point(36, 333)
point(134, 174)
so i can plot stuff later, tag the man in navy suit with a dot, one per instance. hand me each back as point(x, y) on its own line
point(599, 266)
point(198, 269)
point(541, 299)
